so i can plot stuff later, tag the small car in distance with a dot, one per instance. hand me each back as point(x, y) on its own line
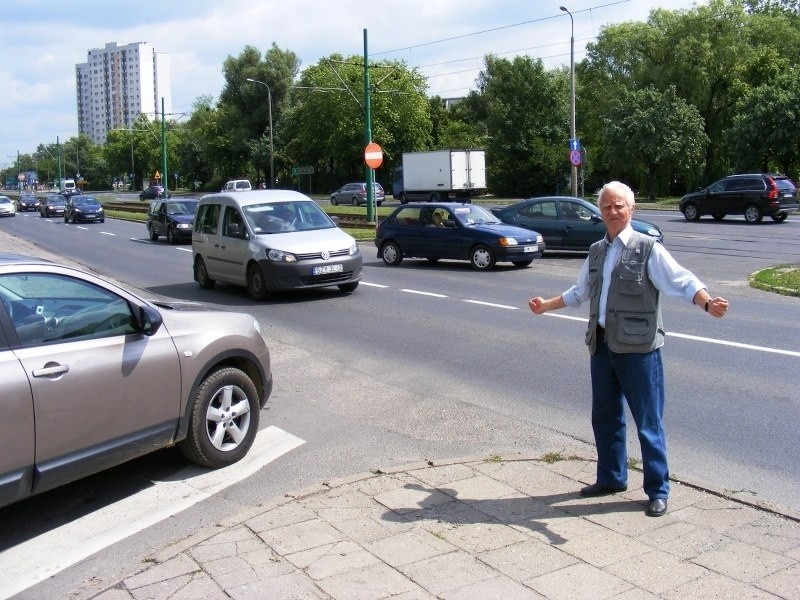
point(7, 207)
point(173, 219)
point(753, 195)
point(27, 201)
point(270, 241)
point(237, 185)
point(565, 222)
point(83, 209)
point(355, 194)
point(52, 205)
point(452, 230)
point(96, 376)
point(152, 192)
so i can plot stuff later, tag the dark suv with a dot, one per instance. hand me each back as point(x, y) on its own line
point(752, 195)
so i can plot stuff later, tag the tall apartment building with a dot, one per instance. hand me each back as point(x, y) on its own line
point(117, 84)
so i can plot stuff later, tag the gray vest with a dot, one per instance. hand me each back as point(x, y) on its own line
point(633, 307)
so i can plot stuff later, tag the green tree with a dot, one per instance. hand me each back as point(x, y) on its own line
point(527, 110)
point(657, 132)
point(461, 125)
point(325, 126)
point(244, 106)
point(765, 135)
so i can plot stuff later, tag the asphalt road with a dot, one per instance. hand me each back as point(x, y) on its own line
point(438, 361)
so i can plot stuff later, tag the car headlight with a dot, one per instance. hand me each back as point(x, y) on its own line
point(281, 256)
point(540, 239)
point(183, 226)
point(354, 249)
point(507, 241)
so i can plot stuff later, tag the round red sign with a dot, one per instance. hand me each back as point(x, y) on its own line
point(373, 155)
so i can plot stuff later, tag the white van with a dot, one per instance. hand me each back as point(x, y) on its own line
point(69, 185)
point(271, 240)
point(237, 185)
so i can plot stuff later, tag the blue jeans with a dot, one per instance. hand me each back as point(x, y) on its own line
point(639, 379)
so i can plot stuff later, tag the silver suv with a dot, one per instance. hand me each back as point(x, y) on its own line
point(92, 375)
point(271, 240)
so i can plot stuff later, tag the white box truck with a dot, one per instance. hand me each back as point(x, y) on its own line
point(439, 175)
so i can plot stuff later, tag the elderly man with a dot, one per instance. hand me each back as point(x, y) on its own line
point(623, 279)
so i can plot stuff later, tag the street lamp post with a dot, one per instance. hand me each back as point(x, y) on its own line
point(271, 152)
point(572, 134)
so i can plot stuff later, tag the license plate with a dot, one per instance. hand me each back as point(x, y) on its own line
point(531, 249)
point(325, 269)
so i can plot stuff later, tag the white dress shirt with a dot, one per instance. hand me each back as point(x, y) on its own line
point(664, 272)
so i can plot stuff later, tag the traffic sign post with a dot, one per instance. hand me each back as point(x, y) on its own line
point(373, 157)
point(575, 158)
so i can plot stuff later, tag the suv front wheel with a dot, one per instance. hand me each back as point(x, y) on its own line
point(691, 212)
point(224, 419)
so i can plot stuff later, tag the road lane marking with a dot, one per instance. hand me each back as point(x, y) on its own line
point(377, 285)
point(685, 336)
point(698, 338)
point(421, 293)
point(492, 304)
point(107, 233)
point(37, 559)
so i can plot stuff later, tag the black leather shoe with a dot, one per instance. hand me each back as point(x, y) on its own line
point(657, 507)
point(598, 489)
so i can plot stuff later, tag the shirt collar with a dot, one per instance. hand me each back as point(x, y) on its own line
point(623, 236)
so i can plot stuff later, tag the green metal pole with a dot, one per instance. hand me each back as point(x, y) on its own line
point(165, 179)
point(368, 137)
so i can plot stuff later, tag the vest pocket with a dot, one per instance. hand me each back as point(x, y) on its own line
point(635, 328)
point(631, 278)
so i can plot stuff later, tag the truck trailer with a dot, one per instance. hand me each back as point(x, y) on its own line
point(440, 175)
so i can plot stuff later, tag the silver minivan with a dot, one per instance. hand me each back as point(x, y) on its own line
point(269, 241)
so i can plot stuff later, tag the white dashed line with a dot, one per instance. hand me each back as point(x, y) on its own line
point(421, 293)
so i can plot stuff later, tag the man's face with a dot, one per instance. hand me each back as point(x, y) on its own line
point(615, 212)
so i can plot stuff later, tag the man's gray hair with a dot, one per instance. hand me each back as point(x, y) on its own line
point(620, 189)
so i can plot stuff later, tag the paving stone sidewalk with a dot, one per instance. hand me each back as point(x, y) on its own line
point(479, 529)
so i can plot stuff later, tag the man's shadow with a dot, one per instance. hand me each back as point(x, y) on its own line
point(535, 513)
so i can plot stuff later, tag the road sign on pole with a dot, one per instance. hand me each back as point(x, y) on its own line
point(575, 158)
point(373, 155)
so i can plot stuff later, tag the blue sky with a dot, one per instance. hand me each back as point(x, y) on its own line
point(43, 40)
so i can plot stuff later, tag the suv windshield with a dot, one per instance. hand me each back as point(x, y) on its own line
point(280, 217)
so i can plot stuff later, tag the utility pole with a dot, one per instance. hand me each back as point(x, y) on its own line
point(164, 150)
point(58, 154)
point(271, 150)
point(370, 178)
point(574, 146)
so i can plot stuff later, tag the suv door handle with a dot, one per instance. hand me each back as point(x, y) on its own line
point(51, 370)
